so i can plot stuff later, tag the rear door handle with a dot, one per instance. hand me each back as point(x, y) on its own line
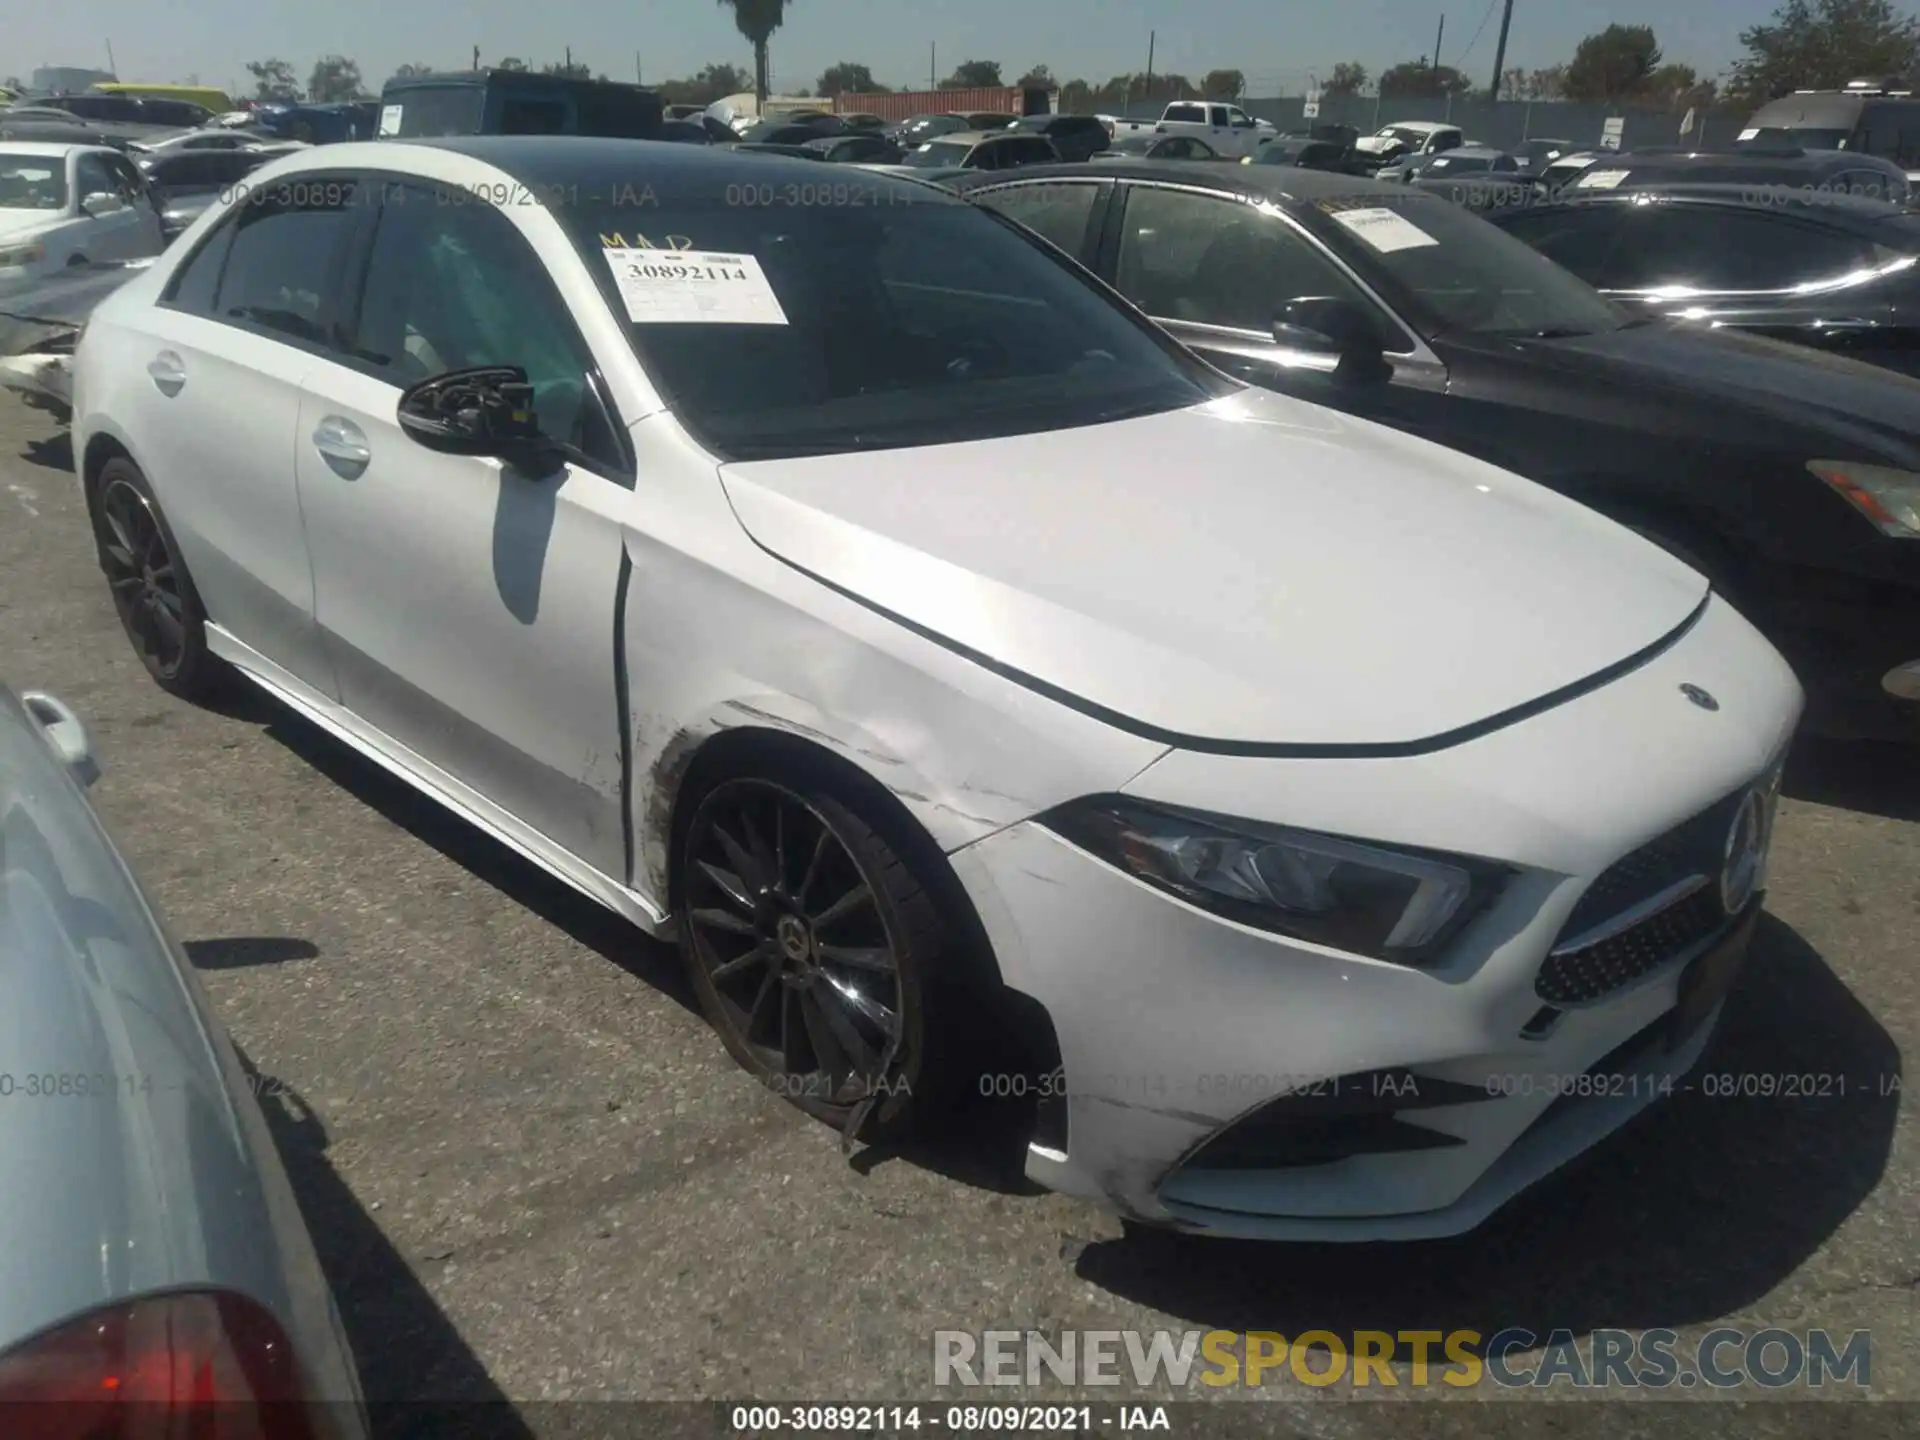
point(168, 373)
point(343, 445)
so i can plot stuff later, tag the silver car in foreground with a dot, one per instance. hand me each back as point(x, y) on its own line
point(154, 1252)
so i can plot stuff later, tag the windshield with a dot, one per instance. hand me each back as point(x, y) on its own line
point(31, 182)
point(871, 328)
point(427, 110)
point(939, 155)
point(1461, 274)
point(1776, 137)
point(1456, 163)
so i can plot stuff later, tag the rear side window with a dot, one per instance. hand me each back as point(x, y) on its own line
point(1709, 248)
point(621, 117)
point(281, 263)
point(1197, 114)
point(533, 117)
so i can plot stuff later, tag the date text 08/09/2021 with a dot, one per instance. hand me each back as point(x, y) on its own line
point(951, 1419)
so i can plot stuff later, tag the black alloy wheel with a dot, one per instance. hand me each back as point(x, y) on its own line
point(152, 592)
point(808, 938)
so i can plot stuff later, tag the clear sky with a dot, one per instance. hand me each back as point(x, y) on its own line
point(1270, 41)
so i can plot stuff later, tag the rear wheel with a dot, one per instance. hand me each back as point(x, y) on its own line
point(152, 592)
point(816, 951)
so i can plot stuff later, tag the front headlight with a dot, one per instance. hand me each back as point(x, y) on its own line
point(1888, 497)
point(22, 254)
point(1399, 905)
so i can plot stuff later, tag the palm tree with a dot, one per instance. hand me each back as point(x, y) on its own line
point(757, 20)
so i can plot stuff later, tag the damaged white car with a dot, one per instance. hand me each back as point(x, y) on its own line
point(40, 324)
point(862, 594)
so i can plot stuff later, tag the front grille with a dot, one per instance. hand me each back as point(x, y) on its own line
point(1696, 847)
point(1580, 977)
point(1693, 847)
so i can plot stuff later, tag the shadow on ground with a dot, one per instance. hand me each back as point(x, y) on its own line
point(1697, 1210)
point(52, 452)
point(243, 952)
point(1871, 777)
point(485, 858)
point(419, 1376)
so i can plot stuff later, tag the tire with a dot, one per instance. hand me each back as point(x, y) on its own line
point(152, 592)
point(73, 260)
point(764, 949)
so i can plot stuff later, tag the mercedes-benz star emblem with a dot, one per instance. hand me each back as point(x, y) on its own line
point(1745, 862)
point(1699, 697)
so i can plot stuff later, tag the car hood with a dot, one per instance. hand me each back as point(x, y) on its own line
point(1254, 570)
point(1790, 384)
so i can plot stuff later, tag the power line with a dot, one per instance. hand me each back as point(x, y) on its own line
point(1476, 37)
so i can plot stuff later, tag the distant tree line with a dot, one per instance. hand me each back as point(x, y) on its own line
point(1806, 45)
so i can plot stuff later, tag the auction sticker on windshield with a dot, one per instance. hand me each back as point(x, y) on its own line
point(693, 287)
point(1385, 230)
point(390, 119)
point(1602, 179)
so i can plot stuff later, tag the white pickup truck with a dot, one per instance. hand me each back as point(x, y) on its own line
point(1227, 129)
point(1409, 140)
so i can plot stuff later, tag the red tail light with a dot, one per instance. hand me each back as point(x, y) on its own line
point(210, 1366)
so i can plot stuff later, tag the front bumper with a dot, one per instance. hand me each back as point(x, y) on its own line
point(1173, 1024)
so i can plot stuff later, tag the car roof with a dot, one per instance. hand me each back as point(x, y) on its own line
point(1277, 183)
point(1783, 158)
point(974, 137)
point(48, 149)
point(590, 161)
point(1849, 211)
point(1427, 125)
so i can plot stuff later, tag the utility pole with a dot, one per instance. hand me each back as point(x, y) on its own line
point(1149, 95)
point(1500, 50)
point(933, 64)
point(1438, 38)
point(110, 65)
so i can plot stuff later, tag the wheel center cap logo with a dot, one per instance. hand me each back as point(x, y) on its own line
point(795, 943)
point(1746, 853)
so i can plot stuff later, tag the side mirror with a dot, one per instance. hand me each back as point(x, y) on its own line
point(486, 411)
point(1332, 327)
point(65, 733)
point(102, 202)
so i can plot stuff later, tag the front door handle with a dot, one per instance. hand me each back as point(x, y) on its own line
point(168, 373)
point(343, 445)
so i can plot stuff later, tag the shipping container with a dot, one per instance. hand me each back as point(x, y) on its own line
point(905, 104)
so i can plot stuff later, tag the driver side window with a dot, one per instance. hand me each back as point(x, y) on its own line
point(1209, 260)
point(91, 178)
point(450, 287)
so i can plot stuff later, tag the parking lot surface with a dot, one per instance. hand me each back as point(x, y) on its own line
point(533, 1174)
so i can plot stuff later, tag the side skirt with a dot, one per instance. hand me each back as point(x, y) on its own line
point(428, 778)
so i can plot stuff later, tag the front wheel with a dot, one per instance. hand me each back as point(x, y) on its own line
point(816, 952)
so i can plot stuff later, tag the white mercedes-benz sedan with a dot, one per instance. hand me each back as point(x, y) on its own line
point(829, 574)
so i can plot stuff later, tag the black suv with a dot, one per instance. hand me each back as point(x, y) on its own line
point(1076, 137)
